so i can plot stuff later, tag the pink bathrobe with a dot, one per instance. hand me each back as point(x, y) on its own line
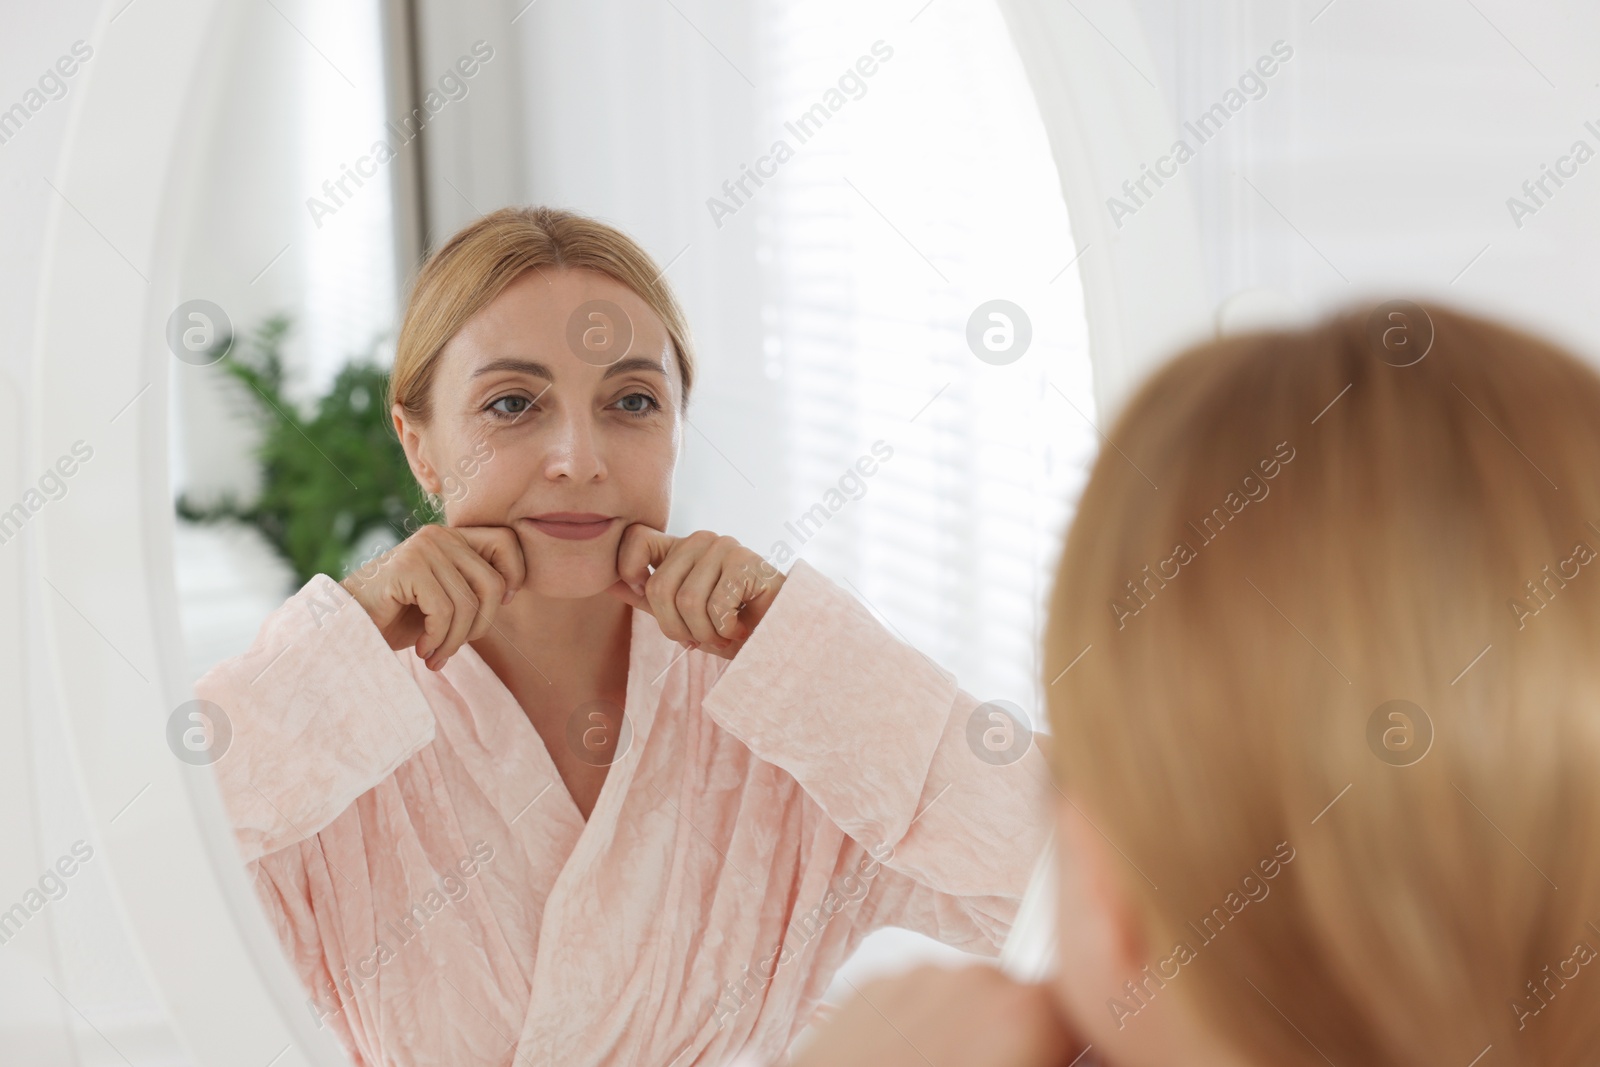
point(445, 904)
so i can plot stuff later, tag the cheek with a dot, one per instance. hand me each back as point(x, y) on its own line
point(646, 476)
point(481, 492)
point(655, 498)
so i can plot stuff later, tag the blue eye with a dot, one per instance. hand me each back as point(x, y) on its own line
point(495, 410)
point(650, 408)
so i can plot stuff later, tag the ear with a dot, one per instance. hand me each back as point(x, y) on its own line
point(416, 453)
point(1102, 952)
point(1096, 918)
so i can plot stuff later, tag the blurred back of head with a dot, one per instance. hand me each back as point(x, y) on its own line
point(1290, 533)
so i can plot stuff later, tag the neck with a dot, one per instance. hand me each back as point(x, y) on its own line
point(560, 648)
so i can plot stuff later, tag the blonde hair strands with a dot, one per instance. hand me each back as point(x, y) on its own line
point(1232, 708)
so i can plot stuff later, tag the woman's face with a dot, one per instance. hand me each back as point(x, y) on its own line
point(561, 398)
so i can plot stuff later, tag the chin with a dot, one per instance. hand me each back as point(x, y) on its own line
point(574, 575)
point(573, 588)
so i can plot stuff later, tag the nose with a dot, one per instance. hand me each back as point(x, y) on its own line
point(575, 450)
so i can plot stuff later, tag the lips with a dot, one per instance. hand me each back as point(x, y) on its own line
point(571, 525)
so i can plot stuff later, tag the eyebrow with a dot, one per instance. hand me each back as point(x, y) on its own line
point(542, 370)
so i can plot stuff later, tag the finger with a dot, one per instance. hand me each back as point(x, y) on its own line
point(486, 585)
point(663, 585)
point(740, 584)
point(463, 608)
point(502, 549)
point(701, 586)
point(641, 548)
point(420, 587)
point(463, 617)
point(620, 590)
point(762, 584)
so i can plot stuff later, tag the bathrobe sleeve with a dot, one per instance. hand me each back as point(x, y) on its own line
point(321, 709)
point(888, 746)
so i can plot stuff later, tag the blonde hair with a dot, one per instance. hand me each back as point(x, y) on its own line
point(1425, 534)
point(476, 264)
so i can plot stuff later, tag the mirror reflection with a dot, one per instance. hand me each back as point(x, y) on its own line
point(612, 554)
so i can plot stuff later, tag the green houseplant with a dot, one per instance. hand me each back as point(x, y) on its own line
point(330, 478)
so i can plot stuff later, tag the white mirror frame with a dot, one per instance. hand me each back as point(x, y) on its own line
point(110, 617)
point(1144, 296)
point(110, 621)
point(1144, 291)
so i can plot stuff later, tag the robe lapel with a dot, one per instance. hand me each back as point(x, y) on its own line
point(598, 883)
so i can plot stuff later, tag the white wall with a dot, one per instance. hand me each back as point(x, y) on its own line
point(1386, 148)
point(639, 125)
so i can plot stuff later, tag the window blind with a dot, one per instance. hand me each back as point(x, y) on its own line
point(913, 195)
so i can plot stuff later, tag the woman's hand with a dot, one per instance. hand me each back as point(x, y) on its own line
point(972, 1016)
point(705, 591)
point(440, 587)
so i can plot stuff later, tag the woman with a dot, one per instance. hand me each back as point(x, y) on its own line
point(544, 782)
point(1329, 787)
